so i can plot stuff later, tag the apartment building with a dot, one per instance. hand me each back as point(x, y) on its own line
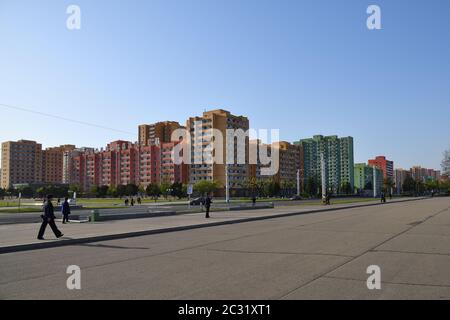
point(385, 165)
point(338, 160)
point(206, 145)
point(124, 162)
point(156, 133)
point(423, 174)
point(21, 163)
point(290, 161)
point(364, 179)
point(399, 178)
point(53, 163)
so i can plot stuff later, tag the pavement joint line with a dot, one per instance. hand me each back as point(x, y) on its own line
point(390, 282)
point(147, 256)
point(136, 258)
point(411, 252)
point(156, 254)
point(281, 253)
point(182, 249)
point(325, 273)
point(51, 244)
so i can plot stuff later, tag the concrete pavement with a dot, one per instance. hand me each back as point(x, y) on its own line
point(316, 256)
point(180, 207)
point(18, 237)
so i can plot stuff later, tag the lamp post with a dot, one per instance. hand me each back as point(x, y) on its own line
point(227, 186)
point(374, 182)
point(324, 182)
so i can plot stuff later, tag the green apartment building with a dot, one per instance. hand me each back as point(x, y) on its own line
point(338, 158)
point(364, 179)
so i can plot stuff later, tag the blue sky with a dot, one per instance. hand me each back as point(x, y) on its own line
point(304, 67)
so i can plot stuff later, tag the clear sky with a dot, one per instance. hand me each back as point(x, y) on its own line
point(304, 67)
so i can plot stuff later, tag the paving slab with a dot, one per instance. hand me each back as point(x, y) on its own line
point(299, 256)
point(17, 237)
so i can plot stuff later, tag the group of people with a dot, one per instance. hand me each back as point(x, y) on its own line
point(131, 201)
point(48, 218)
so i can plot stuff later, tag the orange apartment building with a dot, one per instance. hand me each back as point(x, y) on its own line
point(53, 163)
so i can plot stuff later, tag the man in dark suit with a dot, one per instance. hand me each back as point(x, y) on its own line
point(48, 218)
point(208, 202)
point(65, 210)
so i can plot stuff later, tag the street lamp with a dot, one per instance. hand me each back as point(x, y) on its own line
point(227, 186)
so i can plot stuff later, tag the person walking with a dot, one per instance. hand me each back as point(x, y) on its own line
point(139, 200)
point(132, 202)
point(49, 218)
point(328, 197)
point(254, 200)
point(65, 210)
point(208, 202)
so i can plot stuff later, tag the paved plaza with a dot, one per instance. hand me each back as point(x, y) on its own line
point(319, 255)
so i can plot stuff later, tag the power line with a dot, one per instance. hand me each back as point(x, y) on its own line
point(63, 118)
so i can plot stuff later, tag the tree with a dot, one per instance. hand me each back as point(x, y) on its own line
point(446, 163)
point(102, 191)
point(12, 192)
point(2, 193)
point(26, 192)
point(165, 189)
point(112, 192)
point(121, 190)
point(177, 190)
point(311, 186)
point(287, 187)
point(75, 188)
point(346, 188)
point(131, 189)
point(251, 185)
point(273, 188)
point(153, 191)
point(94, 191)
point(41, 192)
point(388, 185)
point(205, 187)
point(432, 185)
point(409, 185)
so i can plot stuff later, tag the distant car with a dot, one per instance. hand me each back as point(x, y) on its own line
point(198, 201)
point(296, 198)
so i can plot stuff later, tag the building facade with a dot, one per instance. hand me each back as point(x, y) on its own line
point(124, 162)
point(385, 165)
point(364, 179)
point(400, 176)
point(53, 163)
point(423, 174)
point(156, 133)
point(338, 158)
point(21, 163)
point(204, 146)
point(290, 160)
